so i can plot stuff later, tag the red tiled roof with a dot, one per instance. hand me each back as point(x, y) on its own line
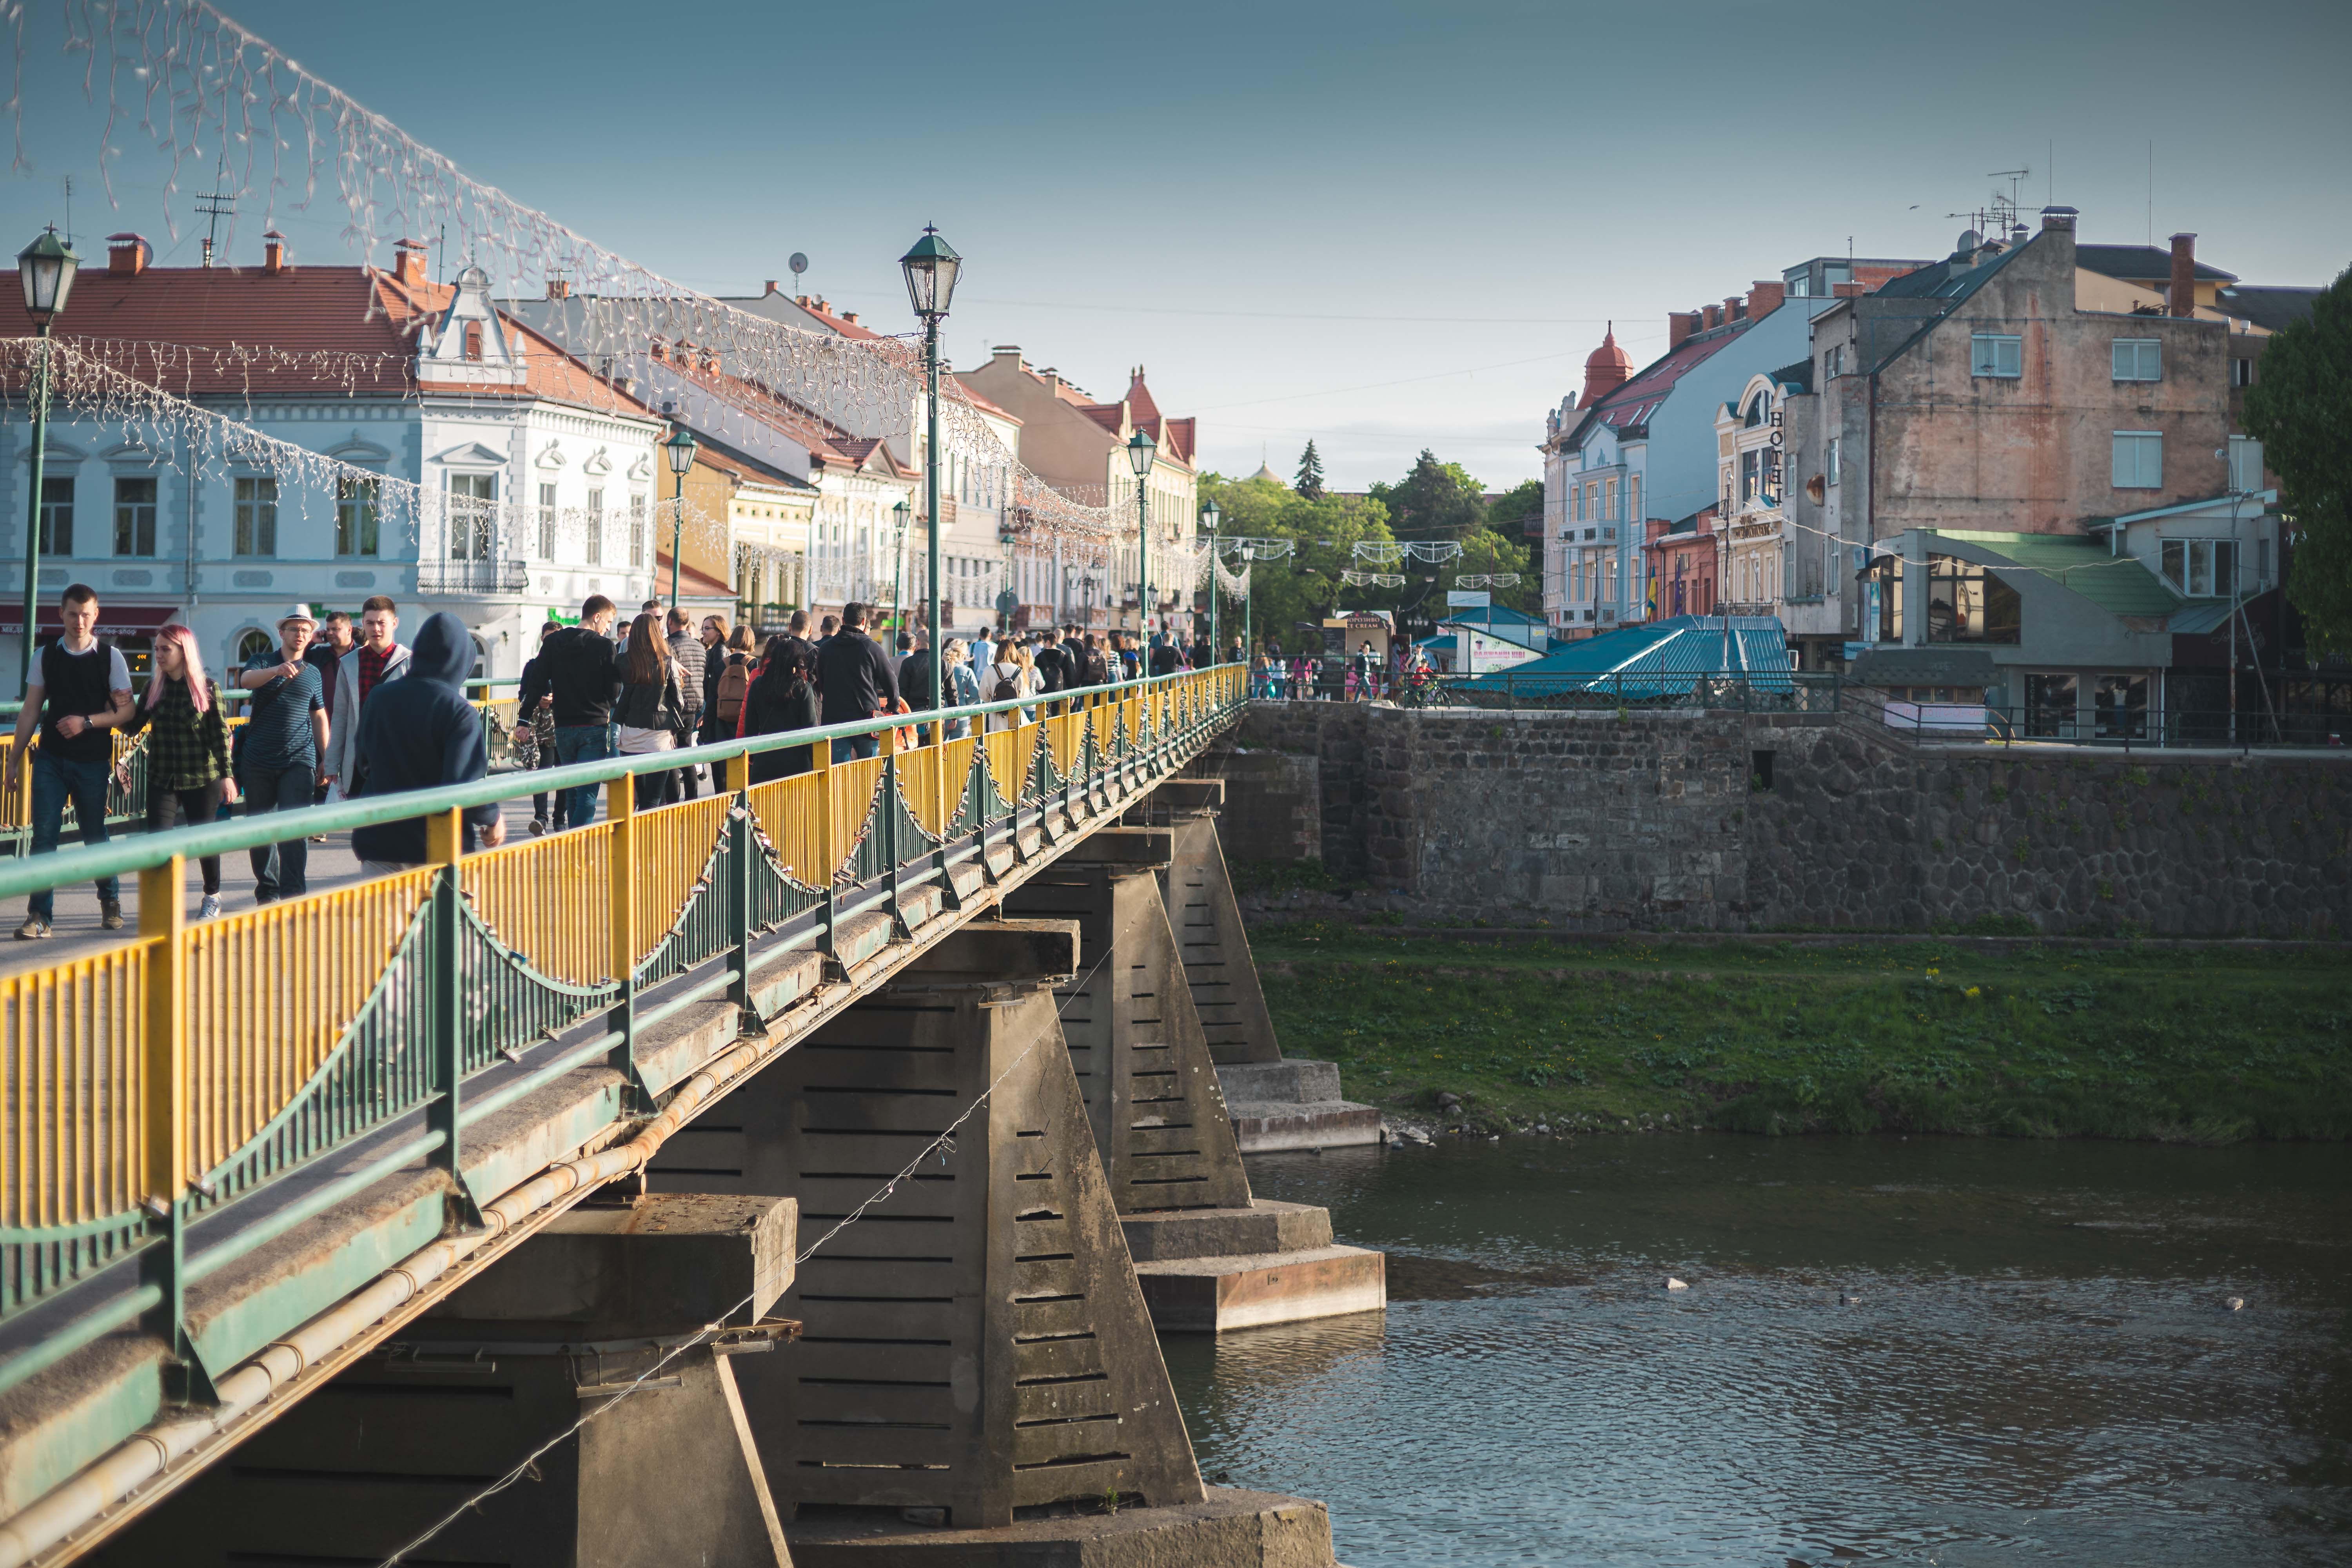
point(1182, 434)
point(1103, 413)
point(825, 441)
point(1638, 399)
point(692, 582)
point(1139, 399)
point(846, 328)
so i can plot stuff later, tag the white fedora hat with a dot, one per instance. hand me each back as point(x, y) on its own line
point(298, 612)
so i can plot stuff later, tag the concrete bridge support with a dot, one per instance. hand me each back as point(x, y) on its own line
point(592, 1306)
point(1208, 1255)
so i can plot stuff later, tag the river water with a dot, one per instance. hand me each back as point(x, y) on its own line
point(1929, 1350)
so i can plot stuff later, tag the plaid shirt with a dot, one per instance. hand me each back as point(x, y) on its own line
point(185, 749)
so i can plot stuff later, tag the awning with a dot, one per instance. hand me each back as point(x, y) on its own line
point(113, 620)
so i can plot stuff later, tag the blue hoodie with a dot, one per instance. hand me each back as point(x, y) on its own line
point(418, 733)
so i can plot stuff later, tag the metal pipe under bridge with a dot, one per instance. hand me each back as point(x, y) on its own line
point(388, 1186)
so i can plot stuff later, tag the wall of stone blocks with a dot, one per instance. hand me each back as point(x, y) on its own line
point(1663, 820)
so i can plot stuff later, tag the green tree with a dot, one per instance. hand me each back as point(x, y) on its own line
point(1309, 480)
point(1434, 501)
point(1492, 552)
point(2301, 410)
point(1305, 584)
point(1510, 513)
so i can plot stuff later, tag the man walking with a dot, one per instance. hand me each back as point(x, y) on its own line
point(687, 651)
point(572, 676)
point(422, 733)
point(286, 734)
point(81, 690)
point(854, 682)
point(379, 657)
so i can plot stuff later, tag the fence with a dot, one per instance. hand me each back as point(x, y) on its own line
point(147, 1086)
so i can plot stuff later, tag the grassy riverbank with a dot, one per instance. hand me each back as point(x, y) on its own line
point(2209, 1044)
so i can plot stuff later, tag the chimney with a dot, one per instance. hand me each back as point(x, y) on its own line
point(2183, 301)
point(1764, 296)
point(127, 253)
point(850, 316)
point(559, 288)
point(1680, 324)
point(273, 253)
point(2058, 217)
point(768, 289)
point(1847, 291)
point(1734, 308)
point(1713, 318)
point(409, 261)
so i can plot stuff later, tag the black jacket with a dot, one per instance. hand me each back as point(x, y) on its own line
point(773, 707)
point(1163, 658)
point(1094, 670)
point(646, 707)
point(421, 733)
point(854, 678)
point(1053, 668)
point(915, 682)
point(577, 665)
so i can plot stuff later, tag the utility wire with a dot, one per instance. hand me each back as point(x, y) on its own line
point(716, 1325)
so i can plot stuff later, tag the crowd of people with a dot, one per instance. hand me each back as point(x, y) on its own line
point(1360, 676)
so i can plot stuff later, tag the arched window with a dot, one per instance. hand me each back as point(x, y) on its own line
point(252, 644)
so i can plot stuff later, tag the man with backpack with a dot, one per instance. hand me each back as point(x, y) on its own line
point(729, 692)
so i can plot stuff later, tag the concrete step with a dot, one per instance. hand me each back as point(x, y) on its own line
point(1230, 1527)
point(1262, 1127)
point(1266, 1225)
point(1217, 1295)
point(1292, 1078)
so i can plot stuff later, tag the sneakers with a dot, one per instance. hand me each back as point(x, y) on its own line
point(110, 914)
point(210, 908)
point(34, 929)
point(537, 827)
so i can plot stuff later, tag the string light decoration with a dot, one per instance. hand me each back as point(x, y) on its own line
point(1488, 580)
point(1373, 579)
point(207, 91)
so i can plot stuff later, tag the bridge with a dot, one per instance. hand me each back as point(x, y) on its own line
point(791, 1174)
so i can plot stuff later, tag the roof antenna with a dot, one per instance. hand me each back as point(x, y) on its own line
point(65, 182)
point(216, 205)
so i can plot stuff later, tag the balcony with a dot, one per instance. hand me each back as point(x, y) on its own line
point(472, 576)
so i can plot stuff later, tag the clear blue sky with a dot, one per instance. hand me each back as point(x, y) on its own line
point(1386, 225)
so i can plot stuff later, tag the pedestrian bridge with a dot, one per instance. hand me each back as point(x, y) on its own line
point(242, 1158)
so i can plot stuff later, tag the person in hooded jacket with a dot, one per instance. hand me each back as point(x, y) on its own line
point(783, 697)
point(420, 732)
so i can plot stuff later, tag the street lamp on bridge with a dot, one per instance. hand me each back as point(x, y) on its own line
point(681, 449)
point(930, 268)
point(1140, 451)
point(46, 267)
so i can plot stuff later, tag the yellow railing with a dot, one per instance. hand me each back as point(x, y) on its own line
point(1066, 734)
point(932, 780)
point(72, 1147)
point(535, 895)
point(270, 992)
point(790, 811)
point(670, 848)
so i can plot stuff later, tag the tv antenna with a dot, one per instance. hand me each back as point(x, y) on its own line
point(799, 264)
point(216, 205)
point(64, 183)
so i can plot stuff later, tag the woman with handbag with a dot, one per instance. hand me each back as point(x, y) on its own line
point(188, 777)
point(650, 713)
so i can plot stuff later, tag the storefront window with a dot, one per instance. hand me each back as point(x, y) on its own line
point(2120, 707)
point(2050, 706)
point(1967, 602)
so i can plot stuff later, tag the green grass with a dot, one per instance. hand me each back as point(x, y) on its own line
point(2199, 1043)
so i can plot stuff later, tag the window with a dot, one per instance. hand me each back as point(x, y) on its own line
point(56, 517)
point(2241, 373)
point(1836, 447)
point(1633, 498)
point(134, 516)
point(637, 523)
point(1882, 584)
point(1609, 499)
point(2201, 568)
point(473, 515)
point(2138, 461)
point(1748, 470)
point(1999, 354)
point(1966, 602)
point(2138, 359)
point(1832, 362)
point(2245, 463)
point(252, 644)
point(547, 521)
point(358, 515)
point(2050, 705)
point(256, 517)
point(2119, 708)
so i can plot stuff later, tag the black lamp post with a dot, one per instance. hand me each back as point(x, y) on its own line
point(900, 515)
point(930, 268)
point(46, 267)
point(1140, 450)
point(680, 448)
point(1210, 517)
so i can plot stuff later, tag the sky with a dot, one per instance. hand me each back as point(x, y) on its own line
point(1384, 227)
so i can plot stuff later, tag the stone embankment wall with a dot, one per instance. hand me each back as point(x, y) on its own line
point(1724, 821)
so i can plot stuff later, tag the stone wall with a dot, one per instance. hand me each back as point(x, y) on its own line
point(1723, 821)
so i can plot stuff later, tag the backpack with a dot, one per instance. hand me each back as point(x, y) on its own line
point(734, 685)
point(1005, 690)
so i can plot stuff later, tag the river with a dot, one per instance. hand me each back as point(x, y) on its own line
point(1929, 1350)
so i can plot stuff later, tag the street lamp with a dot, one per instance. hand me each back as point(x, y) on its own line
point(1140, 450)
point(1210, 516)
point(930, 268)
point(680, 448)
point(901, 515)
point(46, 267)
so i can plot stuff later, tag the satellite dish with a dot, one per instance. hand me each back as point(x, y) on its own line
point(799, 264)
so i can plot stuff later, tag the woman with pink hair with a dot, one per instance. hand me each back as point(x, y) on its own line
point(188, 747)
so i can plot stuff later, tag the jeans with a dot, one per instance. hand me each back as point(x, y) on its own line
point(563, 797)
point(193, 808)
point(581, 744)
point(856, 746)
point(54, 778)
point(280, 871)
point(686, 776)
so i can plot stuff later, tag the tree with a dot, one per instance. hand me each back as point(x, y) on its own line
point(1512, 513)
point(1309, 482)
point(2300, 411)
point(1495, 553)
point(1306, 584)
point(1435, 501)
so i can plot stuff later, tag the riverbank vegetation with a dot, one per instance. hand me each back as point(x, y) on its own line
point(2213, 1044)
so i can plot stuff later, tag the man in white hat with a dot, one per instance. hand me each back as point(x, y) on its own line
point(278, 757)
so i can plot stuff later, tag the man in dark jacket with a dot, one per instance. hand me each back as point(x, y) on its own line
point(1053, 668)
point(422, 733)
point(1163, 654)
point(573, 675)
point(854, 680)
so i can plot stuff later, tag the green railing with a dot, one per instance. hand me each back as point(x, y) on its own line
point(145, 1087)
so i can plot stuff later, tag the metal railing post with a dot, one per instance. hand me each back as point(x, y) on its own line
point(821, 763)
point(621, 912)
point(444, 840)
point(889, 806)
point(740, 851)
point(164, 1108)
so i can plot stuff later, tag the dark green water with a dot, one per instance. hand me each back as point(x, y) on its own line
point(2040, 1367)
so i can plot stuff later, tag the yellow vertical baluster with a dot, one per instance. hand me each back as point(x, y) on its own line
point(620, 842)
point(163, 923)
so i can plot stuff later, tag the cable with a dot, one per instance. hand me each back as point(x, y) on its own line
point(531, 1459)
